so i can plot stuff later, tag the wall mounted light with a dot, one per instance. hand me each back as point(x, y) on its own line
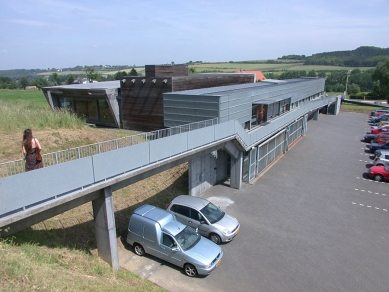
point(124, 80)
point(154, 80)
point(143, 80)
point(133, 80)
point(164, 81)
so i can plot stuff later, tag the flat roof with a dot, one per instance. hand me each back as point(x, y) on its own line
point(230, 89)
point(87, 86)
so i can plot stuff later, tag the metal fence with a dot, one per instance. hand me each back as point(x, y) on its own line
point(260, 156)
point(18, 166)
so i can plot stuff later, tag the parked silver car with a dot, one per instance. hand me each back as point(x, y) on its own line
point(381, 158)
point(210, 220)
point(155, 231)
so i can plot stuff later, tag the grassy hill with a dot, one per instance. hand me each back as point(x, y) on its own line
point(60, 254)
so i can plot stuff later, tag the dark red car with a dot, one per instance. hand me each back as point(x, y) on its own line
point(382, 138)
point(379, 173)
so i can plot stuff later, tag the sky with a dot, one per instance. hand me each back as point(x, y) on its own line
point(42, 34)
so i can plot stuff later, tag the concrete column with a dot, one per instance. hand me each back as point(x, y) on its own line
point(316, 115)
point(103, 213)
point(236, 172)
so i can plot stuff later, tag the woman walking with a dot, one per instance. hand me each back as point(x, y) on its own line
point(30, 146)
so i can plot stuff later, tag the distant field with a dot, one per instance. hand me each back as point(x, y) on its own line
point(266, 67)
point(229, 67)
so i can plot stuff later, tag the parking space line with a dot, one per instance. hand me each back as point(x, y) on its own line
point(370, 192)
point(381, 182)
point(368, 206)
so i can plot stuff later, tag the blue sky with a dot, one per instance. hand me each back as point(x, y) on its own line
point(66, 33)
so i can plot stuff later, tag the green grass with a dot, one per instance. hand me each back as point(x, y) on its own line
point(21, 109)
point(29, 267)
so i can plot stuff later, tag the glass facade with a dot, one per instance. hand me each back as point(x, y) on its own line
point(105, 112)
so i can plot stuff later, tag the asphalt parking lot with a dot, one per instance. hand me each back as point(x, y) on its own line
point(311, 222)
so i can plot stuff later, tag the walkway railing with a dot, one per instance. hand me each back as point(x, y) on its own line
point(18, 166)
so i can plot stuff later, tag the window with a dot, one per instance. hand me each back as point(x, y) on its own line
point(105, 112)
point(185, 211)
point(167, 240)
point(195, 215)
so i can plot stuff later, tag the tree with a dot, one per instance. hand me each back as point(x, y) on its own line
point(40, 82)
point(133, 72)
point(353, 89)
point(92, 74)
point(192, 70)
point(70, 79)
point(321, 74)
point(23, 82)
point(381, 79)
point(120, 74)
point(54, 78)
point(312, 73)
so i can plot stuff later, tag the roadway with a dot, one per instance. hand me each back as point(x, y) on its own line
point(311, 222)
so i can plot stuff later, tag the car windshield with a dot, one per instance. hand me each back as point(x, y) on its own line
point(212, 213)
point(187, 238)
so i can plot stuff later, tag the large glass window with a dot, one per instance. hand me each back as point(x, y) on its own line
point(81, 108)
point(92, 109)
point(66, 103)
point(105, 112)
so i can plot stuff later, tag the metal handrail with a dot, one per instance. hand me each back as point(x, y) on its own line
point(49, 159)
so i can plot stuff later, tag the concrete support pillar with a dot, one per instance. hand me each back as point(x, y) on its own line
point(104, 217)
point(316, 115)
point(236, 172)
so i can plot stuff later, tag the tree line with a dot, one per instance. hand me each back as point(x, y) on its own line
point(91, 74)
point(364, 56)
point(373, 83)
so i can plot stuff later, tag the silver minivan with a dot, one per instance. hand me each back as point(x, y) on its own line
point(210, 220)
point(155, 231)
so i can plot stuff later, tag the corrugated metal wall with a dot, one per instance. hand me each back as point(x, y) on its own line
point(235, 103)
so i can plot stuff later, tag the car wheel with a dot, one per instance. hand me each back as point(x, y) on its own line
point(190, 270)
point(378, 177)
point(215, 238)
point(139, 250)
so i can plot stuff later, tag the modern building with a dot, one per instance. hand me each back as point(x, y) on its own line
point(135, 102)
point(98, 103)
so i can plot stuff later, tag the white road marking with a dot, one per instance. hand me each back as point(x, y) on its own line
point(222, 202)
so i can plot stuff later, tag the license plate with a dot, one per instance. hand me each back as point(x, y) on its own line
point(218, 263)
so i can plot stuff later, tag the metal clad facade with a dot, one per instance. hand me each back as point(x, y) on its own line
point(236, 101)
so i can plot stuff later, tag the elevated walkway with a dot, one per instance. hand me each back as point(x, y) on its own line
point(31, 197)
